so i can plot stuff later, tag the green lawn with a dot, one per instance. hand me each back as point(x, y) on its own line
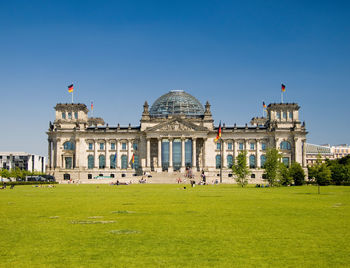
point(168, 226)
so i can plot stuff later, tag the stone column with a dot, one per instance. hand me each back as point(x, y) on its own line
point(54, 143)
point(304, 153)
point(58, 153)
point(148, 145)
point(246, 147)
point(258, 164)
point(49, 153)
point(295, 150)
point(277, 142)
point(204, 154)
point(159, 153)
point(95, 154)
point(170, 155)
point(129, 153)
point(194, 154)
point(77, 153)
point(223, 161)
point(182, 154)
point(118, 155)
point(108, 162)
point(235, 148)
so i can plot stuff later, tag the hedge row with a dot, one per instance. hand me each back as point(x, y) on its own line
point(28, 182)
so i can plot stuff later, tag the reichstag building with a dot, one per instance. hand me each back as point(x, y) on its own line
point(175, 134)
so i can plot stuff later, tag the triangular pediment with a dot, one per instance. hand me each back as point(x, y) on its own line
point(176, 124)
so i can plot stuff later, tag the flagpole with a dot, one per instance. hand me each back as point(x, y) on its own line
point(281, 96)
point(221, 160)
point(72, 96)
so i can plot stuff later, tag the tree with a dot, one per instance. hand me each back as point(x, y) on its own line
point(320, 172)
point(340, 169)
point(297, 173)
point(16, 173)
point(284, 176)
point(272, 165)
point(324, 175)
point(241, 169)
point(5, 173)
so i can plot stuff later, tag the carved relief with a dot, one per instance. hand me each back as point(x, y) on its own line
point(175, 127)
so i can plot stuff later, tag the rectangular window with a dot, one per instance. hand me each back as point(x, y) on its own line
point(63, 115)
point(218, 146)
point(290, 115)
point(278, 115)
point(285, 161)
point(102, 146)
point(229, 146)
point(252, 146)
point(69, 115)
point(284, 115)
point(76, 115)
point(263, 146)
point(68, 162)
point(112, 146)
point(134, 146)
point(123, 146)
point(240, 146)
point(90, 146)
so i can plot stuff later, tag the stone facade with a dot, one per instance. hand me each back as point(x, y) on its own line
point(170, 138)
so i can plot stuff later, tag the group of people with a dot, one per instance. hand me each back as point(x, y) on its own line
point(5, 185)
point(121, 183)
point(261, 186)
point(142, 180)
point(189, 175)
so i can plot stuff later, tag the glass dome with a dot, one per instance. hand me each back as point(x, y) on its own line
point(177, 102)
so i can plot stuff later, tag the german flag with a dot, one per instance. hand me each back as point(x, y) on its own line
point(92, 106)
point(133, 158)
point(283, 88)
point(264, 105)
point(70, 88)
point(218, 136)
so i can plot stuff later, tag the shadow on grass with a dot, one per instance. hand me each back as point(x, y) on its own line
point(315, 193)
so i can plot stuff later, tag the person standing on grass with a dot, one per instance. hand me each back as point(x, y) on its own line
point(204, 179)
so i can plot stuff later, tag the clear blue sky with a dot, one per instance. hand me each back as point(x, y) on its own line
point(120, 53)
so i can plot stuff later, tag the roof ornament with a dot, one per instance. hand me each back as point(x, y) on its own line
point(145, 113)
point(207, 108)
point(145, 107)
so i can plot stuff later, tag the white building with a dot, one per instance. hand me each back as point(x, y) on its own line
point(22, 160)
point(326, 151)
point(176, 133)
point(340, 150)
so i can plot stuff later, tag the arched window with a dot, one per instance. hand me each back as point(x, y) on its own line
point(285, 145)
point(252, 162)
point(101, 161)
point(91, 162)
point(229, 161)
point(113, 159)
point(218, 161)
point(68, 145)
point(262, 160)
point(124, 160)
